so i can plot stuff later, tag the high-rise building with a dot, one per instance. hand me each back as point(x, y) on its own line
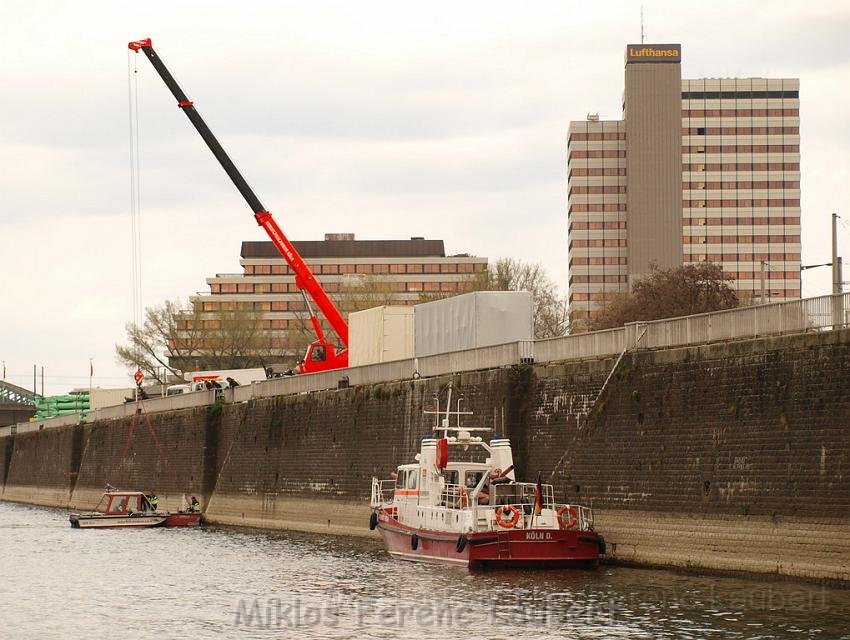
point(696, 170)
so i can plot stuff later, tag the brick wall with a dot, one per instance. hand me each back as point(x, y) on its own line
point(731, 456)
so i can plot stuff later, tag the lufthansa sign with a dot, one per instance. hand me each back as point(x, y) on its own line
point(653, 53)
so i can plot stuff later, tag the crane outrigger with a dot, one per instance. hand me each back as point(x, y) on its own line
point(321, 355)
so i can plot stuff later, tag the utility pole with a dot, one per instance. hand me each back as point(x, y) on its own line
point(837, 289)
point(836, 268)
point(34, 387)
point(42, 381)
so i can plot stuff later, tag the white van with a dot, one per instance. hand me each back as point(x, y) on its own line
point(177, 389)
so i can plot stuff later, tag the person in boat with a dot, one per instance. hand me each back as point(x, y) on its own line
point(232, 383)
point(194, 505)
point(153, 501)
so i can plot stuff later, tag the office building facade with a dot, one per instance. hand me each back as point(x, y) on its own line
point(382, 271)
point(696, 170)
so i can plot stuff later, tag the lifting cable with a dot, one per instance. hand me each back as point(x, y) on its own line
point(139, 410)
point(135, 194)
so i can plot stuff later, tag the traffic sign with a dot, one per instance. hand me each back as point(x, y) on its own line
point(139, 377)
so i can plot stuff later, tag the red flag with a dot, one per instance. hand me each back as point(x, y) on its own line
point(538, 496)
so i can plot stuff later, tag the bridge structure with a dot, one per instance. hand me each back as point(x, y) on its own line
point(16, 403)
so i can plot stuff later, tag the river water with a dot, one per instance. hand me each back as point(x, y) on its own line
point(58, 582)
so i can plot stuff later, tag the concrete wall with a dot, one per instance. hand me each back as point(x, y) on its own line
point(724, 457)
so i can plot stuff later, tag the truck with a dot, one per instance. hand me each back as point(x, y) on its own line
point(322, 354)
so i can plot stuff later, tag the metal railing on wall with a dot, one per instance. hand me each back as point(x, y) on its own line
point(810, 314)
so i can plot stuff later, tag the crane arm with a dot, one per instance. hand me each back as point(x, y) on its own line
point(304, 278)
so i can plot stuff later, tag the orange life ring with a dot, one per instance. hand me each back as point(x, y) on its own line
point(502, 511)
point(569, 524)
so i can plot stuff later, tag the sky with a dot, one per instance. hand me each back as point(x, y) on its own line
point(384, 119)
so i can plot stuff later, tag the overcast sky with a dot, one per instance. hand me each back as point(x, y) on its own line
point(385, 119)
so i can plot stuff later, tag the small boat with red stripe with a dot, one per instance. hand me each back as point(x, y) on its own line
point(133, 509)
point(460, 503)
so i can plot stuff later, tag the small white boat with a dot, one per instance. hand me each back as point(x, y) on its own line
point(130, 509)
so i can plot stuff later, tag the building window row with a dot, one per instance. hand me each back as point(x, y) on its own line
point(598, 296)
point(743, 184)
point(597, 260)
point(393, 268)
point(598, 135)
point(739, 113)
point(741, 148)
point(599, 278)
point(775, 256)
point(742, 94)
point(596, 207)
point(739, 221)
point(597, 171)
point(741, 166)
point(742, 202)
point(769, 274)
point(740, 131)
point(610, 224)
point(605, 242)
point(614, 188)
point(760, 238)
point(744, 257)
point(597, 153)
point(329, 287)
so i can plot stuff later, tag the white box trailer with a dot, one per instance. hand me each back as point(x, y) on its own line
point(380, 334)
point(471, 320)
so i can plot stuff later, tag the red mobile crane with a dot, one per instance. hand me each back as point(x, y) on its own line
point(321, 355)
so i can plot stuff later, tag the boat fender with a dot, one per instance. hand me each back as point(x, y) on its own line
point(414, 542)
point(373, 521)
point(461, 543)
point(507, 516)
point(573, 517)
point(602, 548)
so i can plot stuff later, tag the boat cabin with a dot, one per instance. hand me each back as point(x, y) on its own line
point(124, 502)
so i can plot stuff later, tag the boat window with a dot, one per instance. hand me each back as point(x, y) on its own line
point(450, 476)
point(401, 479)
point(412, 479)
point(118, 505)
point(473, 478)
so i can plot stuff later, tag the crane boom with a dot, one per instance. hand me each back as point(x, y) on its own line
point(321, 355)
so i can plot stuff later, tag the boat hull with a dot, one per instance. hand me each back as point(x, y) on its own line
point(142, 521)
point(515, 548)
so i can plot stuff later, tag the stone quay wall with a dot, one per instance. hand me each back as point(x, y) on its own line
point(725, 457)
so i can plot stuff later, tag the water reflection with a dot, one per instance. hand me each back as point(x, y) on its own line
point(219, 582)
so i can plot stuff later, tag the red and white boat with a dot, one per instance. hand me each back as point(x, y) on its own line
point(460, 503)
point(130, 509)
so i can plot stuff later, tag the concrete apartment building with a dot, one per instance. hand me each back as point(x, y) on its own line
point(402, 271)
point(696, 170)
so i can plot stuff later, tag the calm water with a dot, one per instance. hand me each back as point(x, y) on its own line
point(58, 582)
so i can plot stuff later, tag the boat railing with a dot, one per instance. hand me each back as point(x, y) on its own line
point(521, 494)
point(455, 496)
point(382, 492)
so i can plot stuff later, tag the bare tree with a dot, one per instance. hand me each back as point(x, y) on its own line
point(507, 274)
point(668, 293)
point(365, 292)
point(176, 338)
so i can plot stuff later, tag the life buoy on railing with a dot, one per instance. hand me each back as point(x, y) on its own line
point(573, 514)
point(502, 516)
